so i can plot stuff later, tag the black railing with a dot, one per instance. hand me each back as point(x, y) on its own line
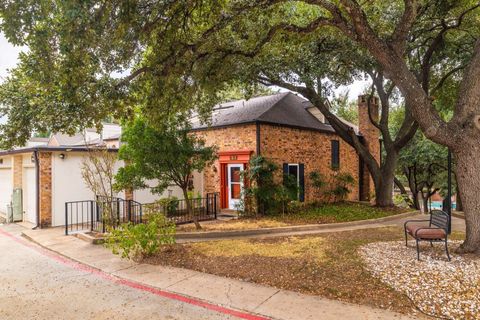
point(106, 212)
point(202, 209)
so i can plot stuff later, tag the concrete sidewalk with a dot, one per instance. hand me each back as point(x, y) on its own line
point(230, 293)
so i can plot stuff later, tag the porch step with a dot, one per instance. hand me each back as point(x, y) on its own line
point(227, 214)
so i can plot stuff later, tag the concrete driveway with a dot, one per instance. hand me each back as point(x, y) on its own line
point(38, 285)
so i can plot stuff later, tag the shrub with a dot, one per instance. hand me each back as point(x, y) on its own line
point(141, 240)
point(169, 205)
point(263, 189)
point(295, 206)
point(318, 182)
point(341, 185)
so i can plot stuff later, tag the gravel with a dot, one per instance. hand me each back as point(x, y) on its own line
point(443, 289)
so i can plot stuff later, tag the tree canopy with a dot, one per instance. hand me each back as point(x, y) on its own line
point(92, 58)
point(166, 156)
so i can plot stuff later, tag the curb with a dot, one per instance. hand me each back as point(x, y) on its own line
point(140, 285)
point(308, 227)
point(265, 231)
point(458, 214)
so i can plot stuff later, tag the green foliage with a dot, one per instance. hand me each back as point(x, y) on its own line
point(263, 188)
point(141, 240)
point(402, 200)
point(342, 212)
point(169, 205)
point(422, 165)
point(340, 186)
point(269, 195)
point(344, 108)
point(239, 92)
point(317, 180)
point(169, 155)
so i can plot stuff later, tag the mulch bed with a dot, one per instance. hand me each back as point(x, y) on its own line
point(340, 274)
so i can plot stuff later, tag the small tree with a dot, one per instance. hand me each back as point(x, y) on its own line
point(98, 173)
point(168, 156)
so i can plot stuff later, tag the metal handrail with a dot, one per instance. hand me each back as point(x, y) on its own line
point(83, 215)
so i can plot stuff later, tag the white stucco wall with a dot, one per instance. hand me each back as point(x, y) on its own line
point(67, 184)
point(29, 189)
point(198, 185)
point(6, 184)
point(145, 196)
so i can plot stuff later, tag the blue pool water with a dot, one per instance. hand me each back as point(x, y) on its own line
point(438, 205)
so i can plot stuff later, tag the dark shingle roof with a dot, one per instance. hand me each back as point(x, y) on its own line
point(283, 109)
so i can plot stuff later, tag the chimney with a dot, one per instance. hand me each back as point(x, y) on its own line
point(371, 137)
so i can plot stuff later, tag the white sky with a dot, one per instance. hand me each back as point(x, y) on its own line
point(9, 55)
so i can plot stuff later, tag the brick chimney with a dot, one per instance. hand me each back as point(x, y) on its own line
point(371, 138)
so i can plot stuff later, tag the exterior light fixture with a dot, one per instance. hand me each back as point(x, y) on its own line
point(61, 156)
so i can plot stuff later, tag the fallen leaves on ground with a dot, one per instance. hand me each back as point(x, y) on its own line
point(327, 265)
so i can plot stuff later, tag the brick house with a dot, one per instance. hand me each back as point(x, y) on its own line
point(292, 133)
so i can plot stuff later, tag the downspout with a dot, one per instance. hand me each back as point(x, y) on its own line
point(37, 188)
point(257, 124)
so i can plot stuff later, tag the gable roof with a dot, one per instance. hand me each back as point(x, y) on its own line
point(62, 139)
point(283, 108)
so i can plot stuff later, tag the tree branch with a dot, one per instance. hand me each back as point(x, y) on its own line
point(400, 34)
point(469, 94)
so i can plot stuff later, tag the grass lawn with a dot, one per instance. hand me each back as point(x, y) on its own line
point(327, 213)
point(326, 265)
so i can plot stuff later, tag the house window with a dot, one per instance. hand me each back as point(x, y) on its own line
point(335, 154)
point(294, 172)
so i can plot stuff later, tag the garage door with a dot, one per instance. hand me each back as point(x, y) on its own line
point(29, 194)
point(6, 188)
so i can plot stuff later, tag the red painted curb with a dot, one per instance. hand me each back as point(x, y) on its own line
point(132, 284)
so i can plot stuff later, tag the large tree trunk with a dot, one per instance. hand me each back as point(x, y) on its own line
point(458, 197)
point(188, 203)
point(384, 191)
point(425, 203)
point(416, 203)
point(468, 179)
point(384, 180)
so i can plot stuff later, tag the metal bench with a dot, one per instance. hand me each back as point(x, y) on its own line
point(435, 231)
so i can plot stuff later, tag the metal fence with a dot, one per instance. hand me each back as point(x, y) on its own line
point(105, 212)
point(202, 209)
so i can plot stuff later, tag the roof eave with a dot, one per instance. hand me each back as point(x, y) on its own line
point(53, 149)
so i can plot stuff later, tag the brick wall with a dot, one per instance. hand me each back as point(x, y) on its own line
point(242, 137)
point(17, 171)
point(371, 136)
point(313, 149)
point(45, 192)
